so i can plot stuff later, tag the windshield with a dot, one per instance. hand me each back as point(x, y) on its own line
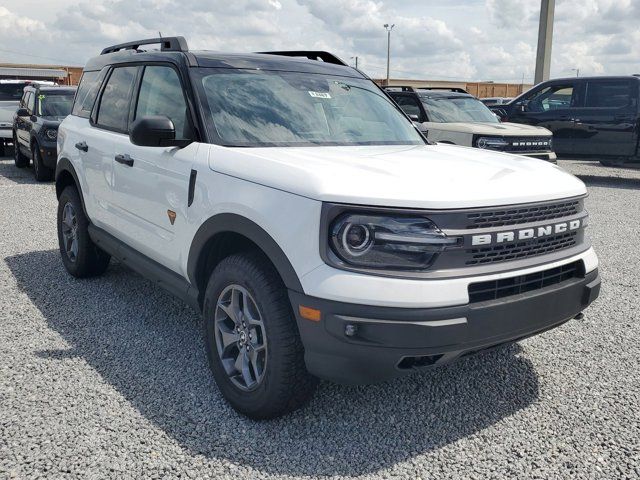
point(461, 109)
point(11, 91)
point(257, 108)
point(55, 105)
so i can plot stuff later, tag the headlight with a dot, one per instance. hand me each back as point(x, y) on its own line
point(550, 144)
point(387, 241)
point(51, 133)
point(492, 143)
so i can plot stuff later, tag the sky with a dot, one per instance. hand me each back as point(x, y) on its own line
point(453, 40)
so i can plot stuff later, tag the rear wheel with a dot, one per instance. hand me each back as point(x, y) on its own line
point(19, 158)
point(41, 171)
point(80, 256)
point(254, 348)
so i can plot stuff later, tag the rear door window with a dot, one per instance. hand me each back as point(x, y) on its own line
point(113, 112)
point(608, 94)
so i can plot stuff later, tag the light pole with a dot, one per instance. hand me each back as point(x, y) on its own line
point(577, 70)
point(356, 59)
point(388, 28)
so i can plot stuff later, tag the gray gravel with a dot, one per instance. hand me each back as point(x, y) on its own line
point(108, 378)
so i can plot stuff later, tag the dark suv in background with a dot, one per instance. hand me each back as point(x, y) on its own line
point(589, 116)
point(35, 127)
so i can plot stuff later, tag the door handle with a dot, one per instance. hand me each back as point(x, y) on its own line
point(82, 146)
point(125, 160)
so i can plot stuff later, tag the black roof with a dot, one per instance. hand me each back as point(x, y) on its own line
point(595, 77)
point(318, 62)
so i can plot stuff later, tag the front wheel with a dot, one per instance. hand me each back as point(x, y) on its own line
point(254, 348)
point(80, 256)
point(41, 171)
point(19, 158)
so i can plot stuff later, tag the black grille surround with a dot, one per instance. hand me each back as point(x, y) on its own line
point(515, 144)
point(515, 236)
point(506, 287)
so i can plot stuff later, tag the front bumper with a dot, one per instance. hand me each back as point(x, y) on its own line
point(548, 156)
point(389, 341)
point(49, 153)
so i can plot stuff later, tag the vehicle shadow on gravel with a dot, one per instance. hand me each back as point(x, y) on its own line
point(149, 347)
point(9, 171)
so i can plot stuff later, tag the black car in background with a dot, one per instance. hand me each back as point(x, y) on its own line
point(35, 127)
point(597, 117)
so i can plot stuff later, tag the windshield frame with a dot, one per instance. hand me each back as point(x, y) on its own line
point(452, 99)
point(197, 75)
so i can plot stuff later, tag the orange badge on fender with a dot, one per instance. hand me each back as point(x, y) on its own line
point(172, 216)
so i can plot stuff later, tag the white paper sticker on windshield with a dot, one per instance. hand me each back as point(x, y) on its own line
point(319, 94)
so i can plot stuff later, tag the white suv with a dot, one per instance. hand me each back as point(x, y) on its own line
point(288, 199)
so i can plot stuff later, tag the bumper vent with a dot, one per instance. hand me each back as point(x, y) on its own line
point(517, 216)
point(495, 289)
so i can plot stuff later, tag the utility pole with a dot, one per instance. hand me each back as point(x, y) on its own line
point(545, 36)
point(388, 28)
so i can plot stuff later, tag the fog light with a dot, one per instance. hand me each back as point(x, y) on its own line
point(350, 330)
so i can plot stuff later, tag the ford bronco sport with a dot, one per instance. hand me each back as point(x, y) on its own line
point(35, 127)
point(288, 199)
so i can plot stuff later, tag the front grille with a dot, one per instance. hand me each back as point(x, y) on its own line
point(495, 289)
point(516, 216)
point(528, 144)
point(517, 250)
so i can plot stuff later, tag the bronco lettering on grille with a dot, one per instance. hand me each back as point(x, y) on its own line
point(526, 233)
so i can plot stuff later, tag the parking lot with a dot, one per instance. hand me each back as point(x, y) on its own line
point(108, 378)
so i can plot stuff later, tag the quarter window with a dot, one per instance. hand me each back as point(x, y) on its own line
point(86, 94)
point(113, 112)
point(161, 94)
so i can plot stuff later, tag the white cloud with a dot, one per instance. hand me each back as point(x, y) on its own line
point(463, 39)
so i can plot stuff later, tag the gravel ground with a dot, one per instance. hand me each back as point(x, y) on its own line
point(108, 378)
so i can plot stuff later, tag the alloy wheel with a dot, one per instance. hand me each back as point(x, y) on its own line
point(70, 231)
point(240, 337)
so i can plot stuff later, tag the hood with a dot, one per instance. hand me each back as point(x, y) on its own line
point(53, 121)
point(422, 176)
point(480, 128)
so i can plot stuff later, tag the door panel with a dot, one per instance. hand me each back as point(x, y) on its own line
point(153, 184)
point(608, 123)
point(552, 107)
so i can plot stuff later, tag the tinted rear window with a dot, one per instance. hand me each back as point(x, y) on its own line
point(611, 94)
point(11, 91)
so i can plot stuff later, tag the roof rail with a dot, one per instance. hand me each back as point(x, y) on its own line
point(401, 88)
point(167, 44)
point(311, 55)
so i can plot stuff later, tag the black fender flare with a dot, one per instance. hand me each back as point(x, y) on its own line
point(233, 223)
point(65, 166)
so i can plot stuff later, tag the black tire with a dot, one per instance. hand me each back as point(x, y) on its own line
point(88, 259)
point(19, 158)
point(3, 149)
point(286, 385)
point(41, 171)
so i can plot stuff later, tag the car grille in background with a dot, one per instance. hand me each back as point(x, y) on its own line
point(528, 144)
point(515, 216)
point(495, 289)
point(518, 250)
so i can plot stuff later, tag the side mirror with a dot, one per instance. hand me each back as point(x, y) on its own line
point(155, 131)
point(523, 105)
point(22, 112)
point(414, 117)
